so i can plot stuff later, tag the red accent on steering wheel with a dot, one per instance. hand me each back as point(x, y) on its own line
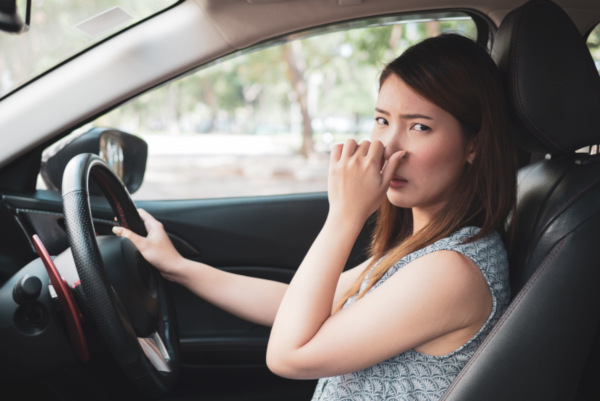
point(67, 302)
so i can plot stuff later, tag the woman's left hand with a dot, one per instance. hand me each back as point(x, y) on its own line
point(359, 177)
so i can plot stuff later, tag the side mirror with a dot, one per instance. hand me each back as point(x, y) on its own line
point(14, 19)
point(126, 154)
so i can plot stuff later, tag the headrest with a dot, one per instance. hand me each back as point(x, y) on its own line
point(551, 80)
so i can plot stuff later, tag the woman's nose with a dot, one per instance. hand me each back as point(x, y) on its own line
point(391, 147)
point(391, 139)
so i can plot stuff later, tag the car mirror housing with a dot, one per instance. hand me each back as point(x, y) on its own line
point(126, 155)
point(12, 18)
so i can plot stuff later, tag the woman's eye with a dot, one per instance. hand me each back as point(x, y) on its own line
point(420, 127)
point(381, 121)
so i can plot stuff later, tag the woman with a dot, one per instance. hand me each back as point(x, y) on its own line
point(403, 323)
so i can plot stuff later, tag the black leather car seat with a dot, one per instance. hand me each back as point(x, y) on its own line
point(546, 346)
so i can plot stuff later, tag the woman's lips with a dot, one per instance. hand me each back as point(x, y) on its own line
point(398, 182)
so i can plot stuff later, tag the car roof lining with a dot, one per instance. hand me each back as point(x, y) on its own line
point(285, 13)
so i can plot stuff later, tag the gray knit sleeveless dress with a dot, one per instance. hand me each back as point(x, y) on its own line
point(414, 376)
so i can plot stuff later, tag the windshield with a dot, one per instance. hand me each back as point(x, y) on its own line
point(59, 29)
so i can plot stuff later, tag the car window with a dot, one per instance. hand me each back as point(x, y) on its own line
point(593, 43)
point(262, 122)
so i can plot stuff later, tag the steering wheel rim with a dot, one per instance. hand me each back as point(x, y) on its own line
point(140, 358)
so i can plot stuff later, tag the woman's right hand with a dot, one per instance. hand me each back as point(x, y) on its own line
point(156, 247)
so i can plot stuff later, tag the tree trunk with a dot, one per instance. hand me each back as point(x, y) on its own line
point(395, 37)
point(296, 67)
point(433, 28)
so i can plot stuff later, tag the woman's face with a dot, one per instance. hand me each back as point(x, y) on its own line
point(437, 151)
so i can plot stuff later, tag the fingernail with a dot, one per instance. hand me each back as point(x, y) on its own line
point(117, 230)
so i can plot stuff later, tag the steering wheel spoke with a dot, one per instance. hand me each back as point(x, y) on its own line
point(156, 352)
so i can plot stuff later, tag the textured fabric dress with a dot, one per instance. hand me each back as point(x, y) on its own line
point(414, 376)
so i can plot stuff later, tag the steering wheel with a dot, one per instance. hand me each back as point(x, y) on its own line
point(125, 296)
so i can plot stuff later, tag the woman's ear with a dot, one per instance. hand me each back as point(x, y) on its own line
point(472, 147)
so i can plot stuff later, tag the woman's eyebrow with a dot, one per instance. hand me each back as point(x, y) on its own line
point(415, 116)
point(405, 116)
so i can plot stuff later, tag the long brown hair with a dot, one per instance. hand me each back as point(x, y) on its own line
point(458, 75)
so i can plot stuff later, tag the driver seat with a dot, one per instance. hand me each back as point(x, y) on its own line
point(547, 346)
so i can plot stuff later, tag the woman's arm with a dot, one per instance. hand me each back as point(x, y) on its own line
point(249, 298)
